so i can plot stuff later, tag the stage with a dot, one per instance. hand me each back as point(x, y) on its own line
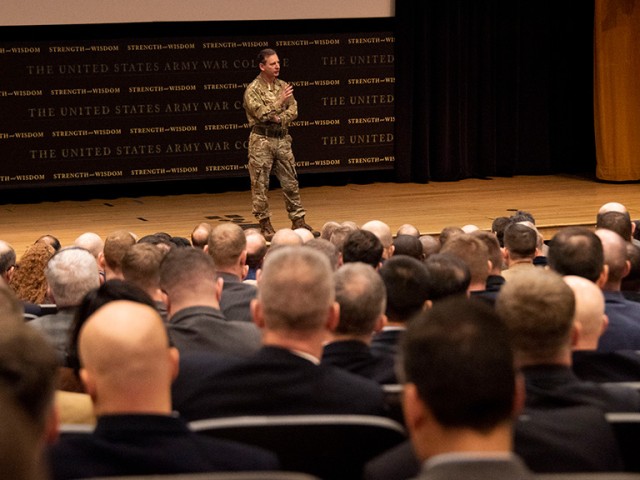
point(555, 201)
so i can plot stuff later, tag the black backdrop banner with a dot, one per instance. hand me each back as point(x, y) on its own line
point(140, 102)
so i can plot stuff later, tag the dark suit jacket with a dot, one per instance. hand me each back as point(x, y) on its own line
point(572, 439)
point(620, 366)
point(356, 357)
point(274, 381)
point(554, 386)
point(236, 298)
point(623, 332)
point(149, 444)
point(511, 468)
point(205, 328)
point(387, 342)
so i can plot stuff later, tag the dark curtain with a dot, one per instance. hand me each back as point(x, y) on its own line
point(493, 88)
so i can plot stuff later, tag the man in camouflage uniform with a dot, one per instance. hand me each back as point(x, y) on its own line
point(270, 108)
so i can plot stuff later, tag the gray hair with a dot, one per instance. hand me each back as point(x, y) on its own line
point(71, 274)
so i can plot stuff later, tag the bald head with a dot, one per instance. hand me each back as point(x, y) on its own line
point(380, 230)
point(614, 249)
point(304, 234)
point(286, 236)
point(90, 241)
point(138, 378)
point(612, 207)
point(589, 317)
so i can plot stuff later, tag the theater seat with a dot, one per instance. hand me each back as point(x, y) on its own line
point(331, 447)
point(626, 428)
point(256, 475)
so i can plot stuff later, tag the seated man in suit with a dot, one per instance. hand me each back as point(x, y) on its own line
point(228, 248)
point(460, 410)
point(296, 310)
point(408, 283)
point(361, 295)
point(192, 290)
point(538, 308)
point(590, 322)
point(128, 368)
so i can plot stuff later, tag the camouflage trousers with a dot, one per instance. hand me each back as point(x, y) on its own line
point(267, 155)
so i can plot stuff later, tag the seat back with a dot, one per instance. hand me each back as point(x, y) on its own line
point(332, 447)
point(256, 475)
point(626, 428)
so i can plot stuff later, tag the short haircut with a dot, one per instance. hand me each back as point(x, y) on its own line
point(473, 252)
point(449, 274)
point(362, 246)
point(264, 54)
point(328, 228)
point(493, 246)
point(521, 241)
point(227, 241)
point(632, 281)
point(449, 232)
point(71, 273)
point(28, 369)
point(362, 298)
point(538, 308)
point(141, 265)
point(326, 247)
point(459, 357)
point(619, 222)
point(408, 245)
point(523, 216)
point(498, 226)
point(184, 270)
point(339, 236)
point(576, 251)
point(408, 285)
point(115, 246)
point(296, 289)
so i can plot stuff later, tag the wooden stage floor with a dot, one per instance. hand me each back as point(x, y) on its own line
point(555, 201)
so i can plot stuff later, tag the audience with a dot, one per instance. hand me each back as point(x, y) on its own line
point(408, 286)
point(623, 332)
point(28, 375)
point(520, 248)
point(450, 276)
point(192, 294)
point(28, 280)
point(475, 254)
point(362, 246)
point(71, 274)
point(495, 280)
point(296, 310)
point(383, 232)
point(361, 294)
point(228, 248)
point(141, 267)
point(200, 235)
point(430, 245)
point(538, 308)
point(318, 330)
point(408, 245)
point(136, 431)
point(256, 251)
point(590, 322)
point(329, 249)
point(461, 395)
point(115, 246)
point(408, 229)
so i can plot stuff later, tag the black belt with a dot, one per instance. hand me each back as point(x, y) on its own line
point(275, 131)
